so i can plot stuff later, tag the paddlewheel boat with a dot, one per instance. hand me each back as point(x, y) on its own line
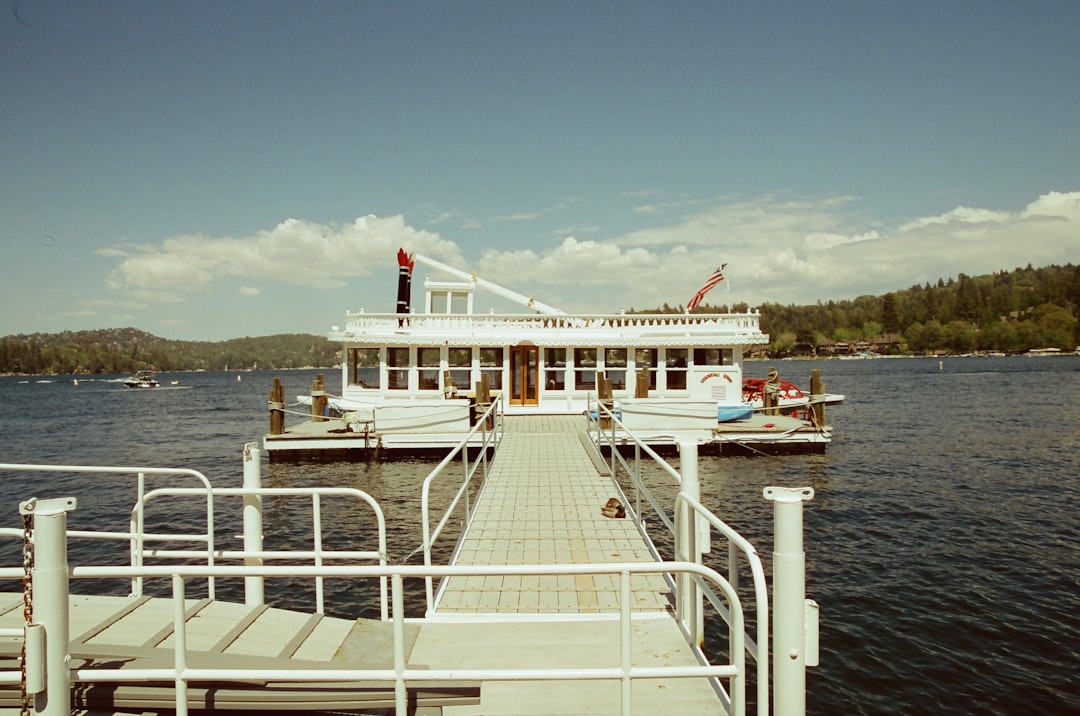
point(430, 372)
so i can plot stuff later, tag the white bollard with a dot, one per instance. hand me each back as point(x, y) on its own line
point(253, 523)
point(789, 600)
point(49, 577)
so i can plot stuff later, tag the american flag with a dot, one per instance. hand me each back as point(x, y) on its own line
point(717, 277)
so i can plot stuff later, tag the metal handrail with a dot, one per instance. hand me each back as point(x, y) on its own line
point(489, 439)
point(616, 432)
point(318, 554)
point(138, 538)
point(401, 675)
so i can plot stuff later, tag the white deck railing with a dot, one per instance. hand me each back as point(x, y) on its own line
point(143, 545)
point(490, 438)
point(689, 528)
point(743, 325)
point(696, 586)
point(400, 676)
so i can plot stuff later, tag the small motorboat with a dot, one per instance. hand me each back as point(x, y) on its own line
point(142, 379)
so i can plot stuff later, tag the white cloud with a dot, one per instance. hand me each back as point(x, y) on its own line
point(778, 249)
point(248, 291)
point(294, 252)
point(959, 215)
point(520, 216)
point(790, 251)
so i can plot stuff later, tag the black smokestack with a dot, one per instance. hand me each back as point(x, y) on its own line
point(404, 286)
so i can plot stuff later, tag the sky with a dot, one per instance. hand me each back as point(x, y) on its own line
point(213, 170)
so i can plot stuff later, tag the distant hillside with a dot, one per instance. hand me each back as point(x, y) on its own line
point(125, 350)
point(1009, 311)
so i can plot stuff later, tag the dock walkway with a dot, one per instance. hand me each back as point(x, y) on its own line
point(540, 504)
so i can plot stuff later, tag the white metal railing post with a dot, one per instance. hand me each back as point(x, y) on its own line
point(637, 484)
point(180, 684)
point(690, 607)
point(49, 577)
point(138, 528)
point(789, 600)
point(401, 694)
point(253, 523)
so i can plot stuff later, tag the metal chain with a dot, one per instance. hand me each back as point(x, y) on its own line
point(28, 600)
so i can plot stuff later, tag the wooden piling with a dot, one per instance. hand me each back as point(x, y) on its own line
point(604, 395)
point(641, 387)
point(770, 393)
point(277, 408)
point(318, 400)
point(483, 400)
point(817, 398)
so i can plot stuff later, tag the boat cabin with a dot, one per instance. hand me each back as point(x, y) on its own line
point(541, 361)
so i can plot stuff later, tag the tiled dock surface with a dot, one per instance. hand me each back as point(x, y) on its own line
point(541, 505)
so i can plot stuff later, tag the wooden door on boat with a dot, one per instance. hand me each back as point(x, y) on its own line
point(524, 375)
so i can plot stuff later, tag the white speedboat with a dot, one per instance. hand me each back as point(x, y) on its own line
point(142, 379)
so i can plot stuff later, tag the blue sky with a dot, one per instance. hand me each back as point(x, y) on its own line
point(210, 170)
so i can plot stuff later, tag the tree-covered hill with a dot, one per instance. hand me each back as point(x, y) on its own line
point(1009, 311)
point(125, 350)
point(1012, 311)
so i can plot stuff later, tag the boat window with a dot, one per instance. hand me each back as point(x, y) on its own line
point(712, 356)
point(459, 303)
point(585, 368)
point(397, 368)
point(615, 367)
point(645, 358)
point(491, 365)
point(675, 368)
point(459, 361)
point(365, 367)
point(428, 360)
point(555, 368)
point(438, 302)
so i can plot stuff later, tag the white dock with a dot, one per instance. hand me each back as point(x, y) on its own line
point(540, 504)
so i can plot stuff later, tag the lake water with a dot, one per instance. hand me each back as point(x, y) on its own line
point(941, 543)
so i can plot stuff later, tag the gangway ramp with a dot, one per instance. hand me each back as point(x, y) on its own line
point(541, 505)
point(136, 633)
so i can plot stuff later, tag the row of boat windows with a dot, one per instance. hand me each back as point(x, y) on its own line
point(561, 368)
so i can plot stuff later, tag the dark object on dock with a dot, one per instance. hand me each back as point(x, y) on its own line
point(613, 508)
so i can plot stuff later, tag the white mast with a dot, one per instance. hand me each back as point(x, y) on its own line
point(514, 296)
